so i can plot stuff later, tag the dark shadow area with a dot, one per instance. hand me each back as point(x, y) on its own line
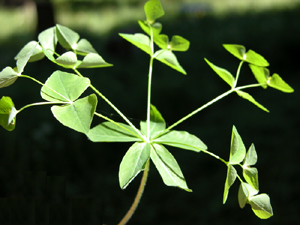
point(43, 164)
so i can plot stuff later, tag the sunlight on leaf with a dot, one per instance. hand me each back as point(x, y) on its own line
point(278, 83)
point(48, 39)
point(230, 178)
point(237, 148)
point(93, 60)
point(36, 55)
point(153, 10)
point(167, 57)
point(248, 97)
point(8, 76)
point(261, 206)
point(8, 113)
point(261, 74)
point(84, 47)
point(67, 59)
point(67, 37)
point(139, 40)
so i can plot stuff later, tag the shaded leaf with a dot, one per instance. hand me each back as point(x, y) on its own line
point(168, 167)
point(77, 115)
point(181, 139)
point(237, 148)
point(230, 178)
point(67, 37)
point(133, 162)
point(153, 10)
point(48, 39)
point(139, 40)
point(261, 206)
point(261, 74)
point(224, 74)
point(248, 97)
point(93, 60)
point(8, 113)
point(110, 132)
point(278, 83)
point(64, 87)
point(245, 192)
point(36, 55)
point(8, 76)
point(167, 57)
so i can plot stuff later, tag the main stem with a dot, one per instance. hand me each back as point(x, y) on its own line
point(137, 197)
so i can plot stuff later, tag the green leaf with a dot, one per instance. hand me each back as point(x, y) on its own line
point(156, 28)
point(251, 157)
point(93, 60)
point(224, 74)
point(24, 57)
point(261, 74)
point(64, 87)
point(179, 43)
point(8, 113)
point(261, 206)
point(181, 139)
point(168, 167)
point(248, 97)
point(237, 148)
point(67, 59)
point(139, 40)
point(167, 57)
point(245, 192)
point(157, 122)
point(255, 59)
point(67, 37)
point(110, 132)
point(133, 162)
point(162, 41)
point(8, 76)
point(278, 83)
point(78, 115)
point(48, 39)
point(153, 10)
point(36, 55)
point(251, 176)
point(84, 47)
point(230, 178)
point(238, 51)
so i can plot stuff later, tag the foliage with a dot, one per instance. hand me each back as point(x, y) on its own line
point(64, 91)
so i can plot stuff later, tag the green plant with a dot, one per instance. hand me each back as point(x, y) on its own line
point(64, 91)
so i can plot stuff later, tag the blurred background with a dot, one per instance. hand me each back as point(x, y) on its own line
point(50, 174)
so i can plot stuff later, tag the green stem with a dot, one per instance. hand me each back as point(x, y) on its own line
point(238, 73)
point(40, 103)
point(137, 197)
point(214, 155)
point(113, 106)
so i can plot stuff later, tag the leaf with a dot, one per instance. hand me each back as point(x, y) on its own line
point(251, 176)
point(245, 192)
point(247, 96)
point(8, 113)
point(93, 60)
point(236, 50)
point(36, 55)
point(110, 132)
point(64, 87)
point(139, 40)
point(8, 76)
point(167, 57)
point(77, 115)
point(224, 74)
point(133, 162)
point(230, 178)
point(278, 83)
point(255, 59)
point(261, 206)
point(25, 57)
point(179, 43)
point(157, 122)
point(168, 167)
point(237, 148)
point(156, 27)
point(251, 157)
point(48, 39)
point(84, 47)
point(153, 10)
point(67, 59)
point(162, 41)
point(67, 37)
point(261, 74)
point(181, 139)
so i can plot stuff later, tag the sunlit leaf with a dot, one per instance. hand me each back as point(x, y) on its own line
point(84, 47)
point(238, 51)
point(64, 87)
point(230, 178)
point(261, 206)
point(181, 139)
point(156, 27)
point(67, 59)
point(162, 41)
point(110, 132)
point(77, 115)
point(36, 55)
point(179, 43)
point(8, 113)
point(67, 37)
point(245, 192)
point(25, 57)
point(224, 74)
point(133, 162)
point(251, 176)
point(167, 57)
point(153, 10)
point(261, 74)
point(278, 83)
point(139, 40)
point(48, 39)
point(8, 76)
point(237, 148)
point(251, 156)
point(93, 60)
point(168, 167)
point(255, 59)
point(248, 97)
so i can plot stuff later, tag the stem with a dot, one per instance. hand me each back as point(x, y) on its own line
point(40, 103)
point(137, 197)
point(214, 155)
point(113, 106)
point(238, 73)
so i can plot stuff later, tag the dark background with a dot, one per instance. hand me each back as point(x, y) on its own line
point(50, 174)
